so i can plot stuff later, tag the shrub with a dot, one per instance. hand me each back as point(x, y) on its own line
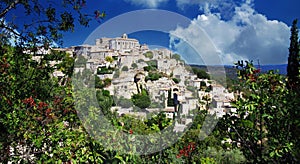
point(102, 71)
point(134, 65)
point(117, 74)
point(149, 68)
point(141, 100)
point(201, 74)
point(191, 88)
point(140, 61)
point(176, 56)
point(153, 76)
point(202, 84)
point(125, 68)
point(176, 80)
point(109, 59)
point(152, 63)
point(149, 54)
point(100, 84)
point(209, 88)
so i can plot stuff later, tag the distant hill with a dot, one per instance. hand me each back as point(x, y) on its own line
point(282, 68)
point(218, 70)
point(231, 71)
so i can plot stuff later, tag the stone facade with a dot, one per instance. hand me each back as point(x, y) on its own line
point(123, 44)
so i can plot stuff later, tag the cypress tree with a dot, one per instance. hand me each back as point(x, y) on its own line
point(293, 59)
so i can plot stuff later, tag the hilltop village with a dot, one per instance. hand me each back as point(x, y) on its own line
point(170, 83)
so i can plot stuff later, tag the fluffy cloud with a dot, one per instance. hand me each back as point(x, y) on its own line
point(147, 3)
point(246, 35)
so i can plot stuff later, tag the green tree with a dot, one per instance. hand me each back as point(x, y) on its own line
point(134, 65)
point(201, 74)
point(100, 84)
point(141, 100)
point(262, 125)
point(149, 54)
point(37, 113)
point(105, 102)
point(293, 59)
point(176, 80)
point(176, 56)
point(125, 68)
point(45, 21)
point(153, 76)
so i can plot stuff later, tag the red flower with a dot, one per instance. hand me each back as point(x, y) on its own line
point(29, 101)
point(186, 150)
point(256, 71)
point(57, 100)
point(130, 131)
point(48, 111)
point(41, 105)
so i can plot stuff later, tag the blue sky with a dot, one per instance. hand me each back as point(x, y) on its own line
point(282, 10)
point(243, 29)
point(231, 29)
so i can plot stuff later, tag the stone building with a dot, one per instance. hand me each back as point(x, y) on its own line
point(123, 44)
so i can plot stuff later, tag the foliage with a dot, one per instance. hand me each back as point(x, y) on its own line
point(149, 68)
point(176, 56)
point(105, 102)
point(149, 54)
point(263, 127)
point(156, 105)
point(176, 80)
point(191, 88)
point(209, 88)
point(117, 73)
point(100, 84)
point(152, 63)
point(201, 74)
point(38, 120)
point(45, 21)
point(293, 67)
point(160, 121)
point(134, 65)
point(104, 70)
point(202, 84)
point(153, 76)
point(140, 61)
point(224, 156)
point(141, 100)
point(125, 68)
point(109, 59)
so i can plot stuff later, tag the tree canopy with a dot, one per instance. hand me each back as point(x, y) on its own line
point(200, 73)
point(44, 21)
point(294, 58)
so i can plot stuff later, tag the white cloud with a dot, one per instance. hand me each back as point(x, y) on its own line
point(147, 3)
point(222, 6)
point(246, 35)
